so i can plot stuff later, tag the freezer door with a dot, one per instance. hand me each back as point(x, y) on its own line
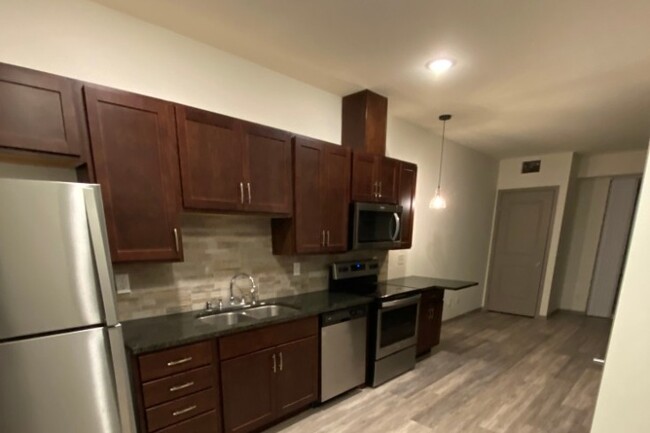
point(61, 383)
point(53, 275)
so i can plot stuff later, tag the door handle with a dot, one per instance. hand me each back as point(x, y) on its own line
point(176, 241)
point(374, 189)
point(380, 189)
point(250, 198)
point(396, 233)
point(599, 361)
point(322, 238)
point(281, 363)
point(275, 364)
point(328, 238)
point(241, 192)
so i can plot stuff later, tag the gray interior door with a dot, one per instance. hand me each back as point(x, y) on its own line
point(523, 227)
point(612, 249)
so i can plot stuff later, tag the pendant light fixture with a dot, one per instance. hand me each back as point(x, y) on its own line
point(438, 201)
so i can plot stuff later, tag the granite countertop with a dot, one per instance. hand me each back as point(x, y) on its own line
point(424, 283)
point(161, 332)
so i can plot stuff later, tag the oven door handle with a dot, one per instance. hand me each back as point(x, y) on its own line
point(395, 235)
point(390, 305)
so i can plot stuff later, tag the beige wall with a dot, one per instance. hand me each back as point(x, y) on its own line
point(84, 40)
point(555, 171)
point(449, 243)
point(612, 164)
point(624, 395)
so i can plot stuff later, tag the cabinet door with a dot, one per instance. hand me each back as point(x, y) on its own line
point(40, 112)
point(407, 181)
point(364, 177)
point(134, 152)
point(336, 188)
point(247, 385)
point(267, 169)
point(212, 160)
point(297, 377)
point(426, 324)
point(308, 215)
point(388, 178)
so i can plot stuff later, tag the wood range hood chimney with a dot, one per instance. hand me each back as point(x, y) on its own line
point(364, 122)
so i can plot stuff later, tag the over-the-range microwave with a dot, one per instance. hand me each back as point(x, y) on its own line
point(375, 225)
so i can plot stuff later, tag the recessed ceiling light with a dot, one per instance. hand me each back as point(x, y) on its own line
point(440, 66)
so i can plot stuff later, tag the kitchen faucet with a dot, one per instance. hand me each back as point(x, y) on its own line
point(253, 290)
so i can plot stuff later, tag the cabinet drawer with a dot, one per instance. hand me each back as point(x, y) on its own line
point(176, 360)
point(179, 410)
point(205, 423)
point(178, 385)
point(270, 336)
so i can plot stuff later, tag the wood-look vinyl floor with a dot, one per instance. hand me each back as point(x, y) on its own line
point(492, 373)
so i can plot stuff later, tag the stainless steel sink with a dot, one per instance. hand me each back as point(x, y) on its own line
point(226, 319)
point(266, 311)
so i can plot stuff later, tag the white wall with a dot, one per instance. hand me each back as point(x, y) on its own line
point(87, 41)
point(624, 395)
point(450, 243)
point(612, 164)
point(555, 171)
point(574, 272)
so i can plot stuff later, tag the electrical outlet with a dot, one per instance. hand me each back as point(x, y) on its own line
point(296, 269)
point(122, 284)
point(401, 259)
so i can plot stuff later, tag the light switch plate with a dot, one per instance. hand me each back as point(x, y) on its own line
point(401, 259)
point(122, 284)
point(296, 269)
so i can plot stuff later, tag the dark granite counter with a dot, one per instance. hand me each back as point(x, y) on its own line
point(427, 283)
point(161, 332)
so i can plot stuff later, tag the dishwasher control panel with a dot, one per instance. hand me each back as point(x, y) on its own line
point(343, 315)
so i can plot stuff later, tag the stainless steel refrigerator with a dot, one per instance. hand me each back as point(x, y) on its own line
point(63, 365)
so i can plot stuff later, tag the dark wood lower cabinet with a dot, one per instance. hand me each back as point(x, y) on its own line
point(430, 321)
point(297, 377)
point(248, 383)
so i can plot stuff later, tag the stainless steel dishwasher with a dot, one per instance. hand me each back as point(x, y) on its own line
point(343, 351)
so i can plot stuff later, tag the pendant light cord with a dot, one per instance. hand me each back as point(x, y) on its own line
point(442, 149)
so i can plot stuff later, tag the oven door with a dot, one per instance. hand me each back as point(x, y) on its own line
point(397, 325)
point(376, 225)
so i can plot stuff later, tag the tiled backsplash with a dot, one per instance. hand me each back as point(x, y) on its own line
point(216, 248)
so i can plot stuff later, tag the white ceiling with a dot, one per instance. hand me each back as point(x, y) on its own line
point(532, 76)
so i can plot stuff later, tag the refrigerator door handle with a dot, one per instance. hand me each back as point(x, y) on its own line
point(99, 240)
point(122, 382)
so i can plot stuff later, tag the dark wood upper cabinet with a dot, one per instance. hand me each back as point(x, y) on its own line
point(247, 384)
point(40, 112)
point(321, 183)
point(364, 122)
point(135, 158)
point(297, 377)
point(231, 165)
point(374, 178)
point(336, 187)
point(267, 171)
point(211, 160)
point(407, 181)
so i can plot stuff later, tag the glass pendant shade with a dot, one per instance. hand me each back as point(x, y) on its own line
point(438, 201)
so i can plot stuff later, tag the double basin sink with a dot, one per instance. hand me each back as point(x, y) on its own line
point(245, 314)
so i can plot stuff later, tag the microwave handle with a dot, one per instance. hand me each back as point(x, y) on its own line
point(396, 233)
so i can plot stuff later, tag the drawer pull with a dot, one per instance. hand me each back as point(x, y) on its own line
point(179, 387)
point(179, 362)
point(183, 411)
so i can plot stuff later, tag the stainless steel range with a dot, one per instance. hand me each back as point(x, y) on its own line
point(393, 325)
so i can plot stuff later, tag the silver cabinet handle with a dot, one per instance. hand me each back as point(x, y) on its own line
point(176, 240)
point(179, 387)
point(281, 361)
point(599, 361)
point(376, 188)
point(328, 238)
point(179, 361)
point(430, 313)
point(275, 365)
point(380, 188)
point(241, 192)
point(322, 238)
point(250, 198)
point(186, 410)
